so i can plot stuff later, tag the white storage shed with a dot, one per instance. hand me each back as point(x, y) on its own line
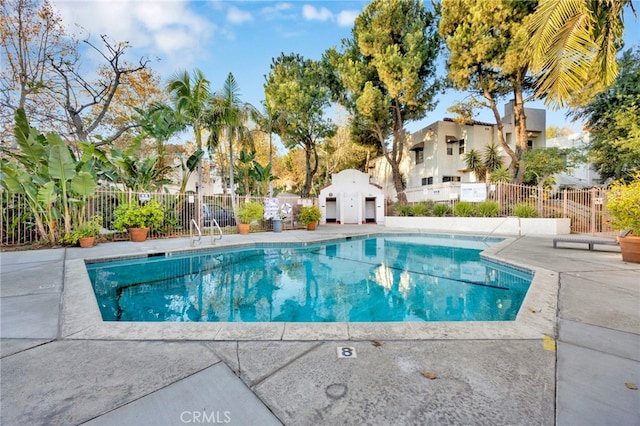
point(351, 199)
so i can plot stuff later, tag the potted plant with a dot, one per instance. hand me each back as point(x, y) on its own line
point(309, 216)
point(138, 218)
point(247, 213)
point(624, 206)
point(85, 234)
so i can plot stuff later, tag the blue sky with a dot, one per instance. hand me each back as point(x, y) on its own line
point(242, 37)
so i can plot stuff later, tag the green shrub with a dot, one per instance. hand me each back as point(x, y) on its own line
point(403, 210)
point(90, 228)
point(309, 214)
point(488, 209)
point(250, 211)
point(624, 205)
point(440, 210)
point(524, 210)
point(421, 209)
point(464, 209)
point(136, 215)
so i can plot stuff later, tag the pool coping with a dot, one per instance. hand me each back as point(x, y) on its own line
point(81, 318)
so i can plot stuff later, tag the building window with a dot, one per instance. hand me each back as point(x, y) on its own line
point(450, 141)
point(419, 156)
point(427, 181)
point(461, 146)
point(450, 179)
point(530, 144)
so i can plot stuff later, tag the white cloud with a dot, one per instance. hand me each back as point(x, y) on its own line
point(278, 11)
point(227, 33)
point(278, 7)
point(173, 41)
point(346, 18)
point(155, 16)
point(311, 13)
point(237, 16)
point(152, 28)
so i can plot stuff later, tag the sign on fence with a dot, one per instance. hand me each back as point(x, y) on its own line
point(144, 197)
point(473, 192)
point(270, 207)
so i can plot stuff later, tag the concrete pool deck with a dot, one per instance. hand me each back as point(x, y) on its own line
point(570, 358)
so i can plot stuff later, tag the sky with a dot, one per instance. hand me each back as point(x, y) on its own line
point(242, 37)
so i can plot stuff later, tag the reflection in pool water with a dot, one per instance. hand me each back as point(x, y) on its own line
point(381, 278)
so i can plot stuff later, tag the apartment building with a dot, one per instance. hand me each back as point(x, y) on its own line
point(433, 163)
point(582, 175)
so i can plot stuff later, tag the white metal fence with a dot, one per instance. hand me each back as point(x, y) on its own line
point(586, 208)
point(19, 228)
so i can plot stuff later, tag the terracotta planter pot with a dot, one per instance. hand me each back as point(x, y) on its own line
point(138, 235)
point(86, 242)
point(311, 226)
point(243, 228)
point(630, 248)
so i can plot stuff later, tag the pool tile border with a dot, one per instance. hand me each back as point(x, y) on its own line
point(81, 317)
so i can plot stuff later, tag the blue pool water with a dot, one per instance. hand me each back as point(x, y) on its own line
point(380, 278)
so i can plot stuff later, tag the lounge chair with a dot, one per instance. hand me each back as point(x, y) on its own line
point(590, 241)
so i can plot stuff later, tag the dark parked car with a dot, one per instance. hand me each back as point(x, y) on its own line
point(223, 216)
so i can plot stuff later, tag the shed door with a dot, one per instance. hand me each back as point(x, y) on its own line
point(332, 210)
point(351, 208)
point(370, 210)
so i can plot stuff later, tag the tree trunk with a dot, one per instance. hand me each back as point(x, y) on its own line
point(503, 143)
point(520, 130)
point(394, 158)
point(309, 150)
point(397, 183)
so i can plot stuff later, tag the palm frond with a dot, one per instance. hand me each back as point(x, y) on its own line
point(574, 45)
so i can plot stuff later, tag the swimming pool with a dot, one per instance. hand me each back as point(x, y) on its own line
point(369, 279)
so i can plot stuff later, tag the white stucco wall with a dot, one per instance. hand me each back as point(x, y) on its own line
point(484, 225)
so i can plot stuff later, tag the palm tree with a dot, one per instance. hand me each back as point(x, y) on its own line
point(270, 122)
point(492, 160)
point(574, 45)
point(228, 121)
point(473, 162)
point(245, 166)
point(191, 99)
point(160, 122)
point(263, 176)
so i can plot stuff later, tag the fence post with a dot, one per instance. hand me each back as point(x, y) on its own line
point(592, 205)
point(199, 210)
point(565, 203)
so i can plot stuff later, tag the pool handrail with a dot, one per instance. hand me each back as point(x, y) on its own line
point(191, 225)
point(215, 222)
point(211, 228)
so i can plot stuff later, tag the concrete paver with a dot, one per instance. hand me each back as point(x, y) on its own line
point(13, 346)
point(34, 316)
point(70, 382)
point(591, 385)
point(214, 395)
point(476, 382)
point(48, 378)
point(589, 297)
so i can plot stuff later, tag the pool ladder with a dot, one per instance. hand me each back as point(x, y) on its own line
point(499, 225)
point(194, 239)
